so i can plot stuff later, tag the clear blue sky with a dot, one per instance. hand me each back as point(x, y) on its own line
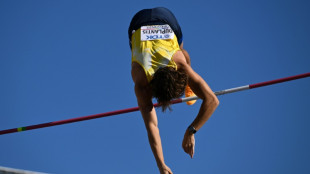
point(65, 59)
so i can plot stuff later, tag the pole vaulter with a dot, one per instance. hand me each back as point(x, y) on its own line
point(106, 114)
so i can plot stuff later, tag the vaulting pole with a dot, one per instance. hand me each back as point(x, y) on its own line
point(226, 91)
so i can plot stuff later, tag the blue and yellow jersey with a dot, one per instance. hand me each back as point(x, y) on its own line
point(153, 47)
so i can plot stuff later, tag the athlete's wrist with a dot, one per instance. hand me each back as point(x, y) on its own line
point(191, 130)
point(161, 165)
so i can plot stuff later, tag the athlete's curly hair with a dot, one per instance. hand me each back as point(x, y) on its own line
point(167, 84)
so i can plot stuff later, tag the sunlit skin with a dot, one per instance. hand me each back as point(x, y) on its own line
point(144, 98)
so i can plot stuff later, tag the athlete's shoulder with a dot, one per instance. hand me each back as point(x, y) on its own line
point(179, 59)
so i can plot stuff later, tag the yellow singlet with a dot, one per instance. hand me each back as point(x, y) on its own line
point(153, 48)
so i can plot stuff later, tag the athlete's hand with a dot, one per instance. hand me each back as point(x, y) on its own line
point(189, 144)
point(165, 170)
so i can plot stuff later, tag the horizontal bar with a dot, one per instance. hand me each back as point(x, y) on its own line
point(257, 85)
point(237, 89)
point(231, 90)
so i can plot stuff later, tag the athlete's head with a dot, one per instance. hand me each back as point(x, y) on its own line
point(168, 84)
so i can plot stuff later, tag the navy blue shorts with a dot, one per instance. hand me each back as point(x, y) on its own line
point(155, 16)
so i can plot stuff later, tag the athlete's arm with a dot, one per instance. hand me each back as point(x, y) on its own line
point(144, 98)
point(186, 55)
point(203, 91)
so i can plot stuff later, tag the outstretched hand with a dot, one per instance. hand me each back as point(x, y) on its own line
point(188, 144)
point(165, 170)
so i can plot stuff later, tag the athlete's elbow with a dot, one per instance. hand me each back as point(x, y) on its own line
point(213, 101)
point(216, 101)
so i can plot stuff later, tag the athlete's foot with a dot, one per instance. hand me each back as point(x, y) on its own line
point(189, 93)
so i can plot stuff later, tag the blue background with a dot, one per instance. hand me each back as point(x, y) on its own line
point(65, 59)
